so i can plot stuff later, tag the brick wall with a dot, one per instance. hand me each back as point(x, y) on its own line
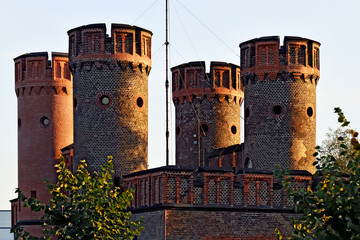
point(45, 113)
point(211, 186)
point(207, 110)
point(280, 102)
point(111, 95)
point(195, 223)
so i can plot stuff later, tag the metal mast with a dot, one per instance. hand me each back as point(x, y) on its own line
point(167, 84)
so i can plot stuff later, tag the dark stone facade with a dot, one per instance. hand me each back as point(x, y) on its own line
point(213, 223)
point(280, 102)
point(207, 110)
point(111, 95)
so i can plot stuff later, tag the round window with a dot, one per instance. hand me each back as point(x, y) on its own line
point(139, 102)
point(310, 111)
point(204, 128)
point(105, 100)
point(233, 129)
point(277, 109)
point(44, 121)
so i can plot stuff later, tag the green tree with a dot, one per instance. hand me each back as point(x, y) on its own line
point(332, 209)
point(332, 146)
point(84, 206)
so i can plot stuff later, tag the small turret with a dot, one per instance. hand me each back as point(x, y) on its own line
point(207, 110)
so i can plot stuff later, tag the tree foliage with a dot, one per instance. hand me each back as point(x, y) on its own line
point(332, 146)
point(84, 206)
point(332, 209)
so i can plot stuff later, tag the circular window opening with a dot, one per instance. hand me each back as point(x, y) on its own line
point(75, 102)
point(233, 129)
point(105, 100)
point(45, 121)
point(177, 131)
point(277, 109)
point(140, 102)
point(204, 128)
point(19, 123)
point(247, 112)
point(310, 111)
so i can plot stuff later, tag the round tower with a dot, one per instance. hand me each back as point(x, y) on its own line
point(111, 95)
point(207, 110)
point(45, 123)
point(280, 102)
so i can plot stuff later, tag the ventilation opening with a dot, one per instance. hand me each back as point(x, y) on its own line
point(19, 123)
point(44, 121)
point(140, 102)
point(247, 113)
point(75, 102)
point(310, 111)
point(204, 128)
point(277, 109)
point(177, 131)
point(105, 100)
point(233, 129)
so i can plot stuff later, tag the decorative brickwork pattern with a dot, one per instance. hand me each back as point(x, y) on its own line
point(238, 196)
point(110, 83)
point(45, 123)
point(207, 110)
point(281, 96)
point(198, 195)
point(195, 223)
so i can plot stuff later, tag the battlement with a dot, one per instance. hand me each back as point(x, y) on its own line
point(265, 58)
point(212, 186)
point(126, 43)
point(34, 72)
point(190, 80)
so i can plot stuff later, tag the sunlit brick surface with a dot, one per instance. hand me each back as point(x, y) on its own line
point(45, 113)
point(280, 102)
point(111, 92)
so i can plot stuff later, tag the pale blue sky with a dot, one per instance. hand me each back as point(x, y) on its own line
point(39, 25)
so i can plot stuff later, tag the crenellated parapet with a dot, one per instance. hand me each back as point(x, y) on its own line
point(128, 46)
point(36, 75)
point(263, 58)
point(44, 90)
point(190, 81)
point(207, 110)
point(280, 104)
point(212, 187)
point(110, 95)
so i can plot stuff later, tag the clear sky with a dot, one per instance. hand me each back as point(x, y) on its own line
point(42, 25)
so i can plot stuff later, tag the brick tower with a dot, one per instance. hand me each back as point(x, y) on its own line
point(280, 101)
point(45, 114)
point(207, 110)
point(111, 95)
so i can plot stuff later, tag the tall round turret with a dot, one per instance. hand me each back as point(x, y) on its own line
point(111, 95)
point(207, 110)
point(280, 101)
point(45, 125)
